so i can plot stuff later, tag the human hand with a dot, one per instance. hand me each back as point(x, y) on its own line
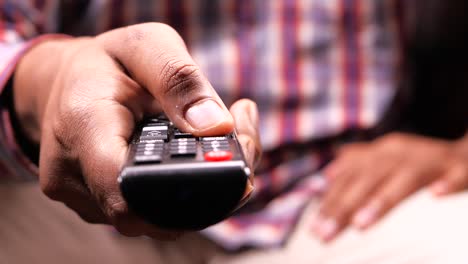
point(366, 180)
point(81, 105)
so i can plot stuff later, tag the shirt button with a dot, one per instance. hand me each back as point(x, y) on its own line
point(218, 155)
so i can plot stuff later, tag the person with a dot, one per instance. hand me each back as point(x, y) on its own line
point(340, 95)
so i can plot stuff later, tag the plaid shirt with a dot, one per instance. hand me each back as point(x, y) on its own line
point(321, 71)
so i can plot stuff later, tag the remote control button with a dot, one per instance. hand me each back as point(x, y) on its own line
point(155, 128)
point(221, 155)
point(161, 117)
point(148, 159)
point(215, 146)
point(151, 141)
point(192, 139)
point(182, 148)
point(193, 149)
point(182, 153)
point(187, 150)
point(149, 146)
point(181, 135)
point(155, 132)
point(174, 146)
point(183, 145)
point(215, 143)
point(215, 149)
point(182, 142)
point(214, 138)
point(146, 150)
point(153, 136)
point(156, 124)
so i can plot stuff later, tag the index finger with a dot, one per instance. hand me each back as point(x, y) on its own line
point(245, 115)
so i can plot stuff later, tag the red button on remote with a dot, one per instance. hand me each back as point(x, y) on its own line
point(220, 155)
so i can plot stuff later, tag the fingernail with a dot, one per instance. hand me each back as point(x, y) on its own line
point(249, 150)
point(249, 188)
point(330, 171)
point(326, 229)
point(316, 224)
point(439, 188)
point(205, 114)
point(319, 184)
point(252, 114)
point(366, 216)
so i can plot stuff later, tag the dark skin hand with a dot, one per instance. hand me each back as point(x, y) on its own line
point(367, 180)
point(79, 99)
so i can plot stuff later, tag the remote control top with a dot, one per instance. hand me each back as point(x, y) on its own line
point(177, 181)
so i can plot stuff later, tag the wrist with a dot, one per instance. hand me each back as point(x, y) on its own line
point(33, 80)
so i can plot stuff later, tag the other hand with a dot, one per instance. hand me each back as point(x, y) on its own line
point(366, 180)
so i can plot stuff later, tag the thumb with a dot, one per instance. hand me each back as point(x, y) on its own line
point(157, 58)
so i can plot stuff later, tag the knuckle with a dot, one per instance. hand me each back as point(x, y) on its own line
point(246, 139)
point(459, 173)
point(252, 109)
point(72, 121)
point(392, 143)
point(386, 202)
point(180, 79)
point(345, 206)
point(59, 130)
point(161, 27)
point(135, 33)
point(245, 102)
point(67, 127)
point(409, 176)
point(393, 138)
point(351, 149)
point(141, 32)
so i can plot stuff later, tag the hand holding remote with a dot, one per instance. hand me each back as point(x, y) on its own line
point(81, 106)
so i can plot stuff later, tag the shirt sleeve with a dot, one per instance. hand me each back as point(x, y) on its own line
point(22, 26)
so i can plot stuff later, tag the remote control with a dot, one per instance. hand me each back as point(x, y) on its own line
point(180, 182)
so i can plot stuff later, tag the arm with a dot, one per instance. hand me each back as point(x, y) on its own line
point(19, 32)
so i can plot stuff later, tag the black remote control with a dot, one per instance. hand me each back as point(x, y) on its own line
point(177, 181)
